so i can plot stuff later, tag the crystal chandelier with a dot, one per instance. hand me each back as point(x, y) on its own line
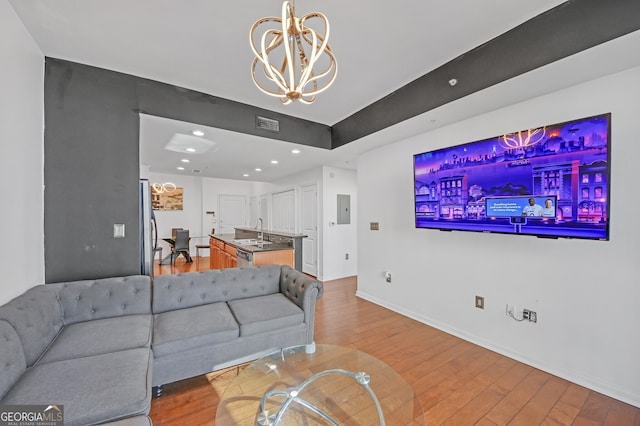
point(289, 71)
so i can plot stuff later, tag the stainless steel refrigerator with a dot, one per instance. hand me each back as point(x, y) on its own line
point(148, 230)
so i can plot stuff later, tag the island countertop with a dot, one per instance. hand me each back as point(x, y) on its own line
point(271, 232)
point(252, 248)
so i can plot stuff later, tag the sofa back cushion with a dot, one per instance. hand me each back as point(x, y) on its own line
point(104, 298)
point(171, 292)
point(12, 362)
point(36, 316)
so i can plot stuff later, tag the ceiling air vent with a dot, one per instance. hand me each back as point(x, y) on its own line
point(267, 124)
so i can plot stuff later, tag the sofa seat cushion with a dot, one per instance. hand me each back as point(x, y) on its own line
point(92, 389)
point(100, 337)
point(184, 329)
point(265, 313)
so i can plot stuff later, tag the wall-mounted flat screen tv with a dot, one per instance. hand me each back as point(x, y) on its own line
point(552, 181)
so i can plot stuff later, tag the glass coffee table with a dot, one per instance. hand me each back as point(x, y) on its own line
point(335, 385)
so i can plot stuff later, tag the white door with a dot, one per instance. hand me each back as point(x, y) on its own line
point(310, 229)
point(233, 212)
point(284, 211)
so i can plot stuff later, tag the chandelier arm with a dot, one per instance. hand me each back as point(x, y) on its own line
point(259, 85)
point(270, 71)
point(310, 61)
point(256, 25)
point(262, 89)
point(310, 76)
point(286, 30)
point(333, 69)
point(324, 20)
point(276, 76)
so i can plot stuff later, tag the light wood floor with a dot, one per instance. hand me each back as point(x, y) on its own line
point(458, 383)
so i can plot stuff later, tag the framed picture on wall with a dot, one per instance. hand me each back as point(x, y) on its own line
point(166, 197)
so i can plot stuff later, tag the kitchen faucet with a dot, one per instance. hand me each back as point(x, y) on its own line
point(261, 233)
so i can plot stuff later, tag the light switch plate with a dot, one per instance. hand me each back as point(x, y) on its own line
point(118, 230)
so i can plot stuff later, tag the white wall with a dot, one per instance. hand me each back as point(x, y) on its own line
point(21, 151)
point(339, 239)
point(588, 328)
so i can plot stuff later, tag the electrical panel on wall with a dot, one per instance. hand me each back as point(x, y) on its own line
point(344, 209)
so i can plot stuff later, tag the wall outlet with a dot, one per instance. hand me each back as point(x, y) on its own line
point(387, 276)
point(346, 256)
point(374, 226)
point(531, 316)
point(479, 302)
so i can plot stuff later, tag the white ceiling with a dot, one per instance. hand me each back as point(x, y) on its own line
point(233, 155)
point(203, 45)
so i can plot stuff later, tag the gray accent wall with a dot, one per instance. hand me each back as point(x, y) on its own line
point(90, 173)
point(91, 160)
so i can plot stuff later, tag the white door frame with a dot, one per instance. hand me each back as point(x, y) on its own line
point(313, 268)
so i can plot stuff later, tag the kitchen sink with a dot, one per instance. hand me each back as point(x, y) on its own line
point(251, 242)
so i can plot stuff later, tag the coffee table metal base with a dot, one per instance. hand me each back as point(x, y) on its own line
point(267, 418)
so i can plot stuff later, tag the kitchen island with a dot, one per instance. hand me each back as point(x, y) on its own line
point(228, 251)
point(277, 237)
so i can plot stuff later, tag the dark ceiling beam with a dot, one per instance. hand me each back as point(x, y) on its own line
point(177, 103)
point(569, 28)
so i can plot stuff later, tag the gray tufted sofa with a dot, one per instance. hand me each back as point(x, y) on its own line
point(84, 344)
point(97, 347)
point(204, 321)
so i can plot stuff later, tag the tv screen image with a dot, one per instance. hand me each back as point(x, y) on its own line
point(551, 181)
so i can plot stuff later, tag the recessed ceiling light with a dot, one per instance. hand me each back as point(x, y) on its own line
point(274, 161)
point(198, 133)
point(246, 175)
point(295, 151)
point(258, 169)
point(185, 160)
point(180, 168)
point(190, 150)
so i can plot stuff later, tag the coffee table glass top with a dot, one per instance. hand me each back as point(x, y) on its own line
point(333, 385)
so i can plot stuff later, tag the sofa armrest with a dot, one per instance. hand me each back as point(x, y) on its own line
point(303, 291)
